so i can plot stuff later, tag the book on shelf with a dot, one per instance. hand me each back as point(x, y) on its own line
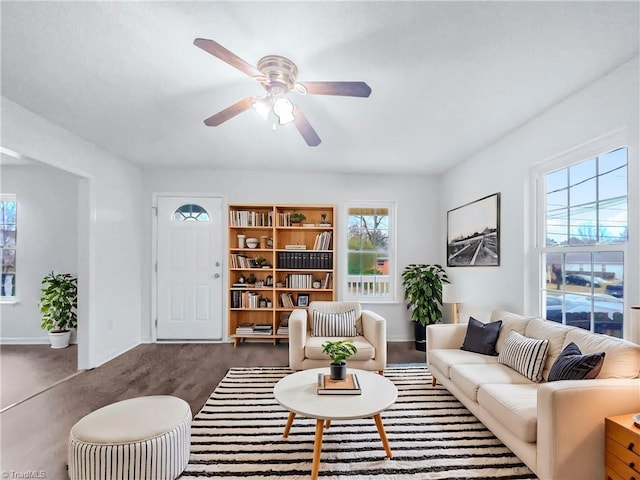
point(348, 386)
point(244, 329)
point(301, 260)
point(287, 300)
point(246, 218)
point(295, 247)
point(262, 329)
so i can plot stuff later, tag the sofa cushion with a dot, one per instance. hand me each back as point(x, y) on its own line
point(481, 337)
point(525, 355)
point(313, 349)
point(573, 365)
point(326, 324)
point(469, 378)
point(552, 331)
point(622, 358)
point(444, 359)
point(514, 406)
point(510, 321)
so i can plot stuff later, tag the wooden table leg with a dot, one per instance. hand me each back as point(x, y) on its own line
point(383, 435)
point(317, 447)
point(287, 427)
point(327, 423)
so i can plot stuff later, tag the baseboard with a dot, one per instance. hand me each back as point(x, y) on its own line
point(26, 341)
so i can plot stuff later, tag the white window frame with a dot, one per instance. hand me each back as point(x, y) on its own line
point(591, 149)
point(5, 197)
point(344, 257)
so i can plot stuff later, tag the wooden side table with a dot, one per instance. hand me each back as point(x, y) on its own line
point(622, 444)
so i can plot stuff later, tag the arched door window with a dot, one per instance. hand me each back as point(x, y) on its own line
point(190, 213)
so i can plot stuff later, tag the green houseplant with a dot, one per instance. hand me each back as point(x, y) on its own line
point(423, 293)
point(297, 217)
point(338, 352)
point(58, 306)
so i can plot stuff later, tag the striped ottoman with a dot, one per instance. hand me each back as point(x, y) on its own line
point(140, 438)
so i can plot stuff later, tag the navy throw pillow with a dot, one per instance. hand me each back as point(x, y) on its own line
point(573, 365)
point(481, 337)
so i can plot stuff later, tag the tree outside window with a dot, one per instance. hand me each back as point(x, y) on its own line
point(369, 259)
point(8, 230)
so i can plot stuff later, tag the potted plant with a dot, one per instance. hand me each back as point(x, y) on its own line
point(251, 279)
point(297, 218)
point(261, 262)
point(423, 293)
point(58, 306)
point(338, 352)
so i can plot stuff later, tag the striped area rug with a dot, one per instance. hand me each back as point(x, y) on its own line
point(238, 435)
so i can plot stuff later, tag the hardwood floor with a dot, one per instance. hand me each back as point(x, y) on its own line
point(34, 433)
point(29, 369)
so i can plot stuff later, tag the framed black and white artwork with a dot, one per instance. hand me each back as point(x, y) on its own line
point(303, 300)
point(473, 233)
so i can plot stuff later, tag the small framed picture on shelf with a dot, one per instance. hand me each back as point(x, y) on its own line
point(303, 299)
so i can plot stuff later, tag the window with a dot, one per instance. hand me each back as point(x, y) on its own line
point(370, 260)
point(584, 240)
point(8, 231)
point(190, 213)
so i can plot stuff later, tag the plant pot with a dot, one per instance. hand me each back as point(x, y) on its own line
point(338, 371)
point(420, 333)
point(60, 339)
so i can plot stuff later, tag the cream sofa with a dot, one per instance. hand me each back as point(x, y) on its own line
point(305, 350)
point(555, 428)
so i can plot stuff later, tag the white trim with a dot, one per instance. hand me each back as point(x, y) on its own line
point(154, 259)
point(25, 341)
point(593, 148)
point(344, 251)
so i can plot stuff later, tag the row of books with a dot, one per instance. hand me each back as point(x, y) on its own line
point(254, 329)
point(242, 261)
point(328, 281)
point(283, 331)
point(286, 300)
point(303, 260)
point(245, 218)
point(240, 299)
point(298, 280)
point(323, 241)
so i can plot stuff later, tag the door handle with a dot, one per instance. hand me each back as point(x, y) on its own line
point(217, 275)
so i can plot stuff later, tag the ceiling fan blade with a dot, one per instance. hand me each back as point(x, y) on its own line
point(304, 127)
point(230, 112)
point(347, 89)
point(217, 50)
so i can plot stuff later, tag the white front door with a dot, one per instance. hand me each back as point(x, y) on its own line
point(189, 297)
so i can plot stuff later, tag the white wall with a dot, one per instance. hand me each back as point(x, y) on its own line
point(47, 240)
point(605, 106)
point(109, 238)
point(415, 197)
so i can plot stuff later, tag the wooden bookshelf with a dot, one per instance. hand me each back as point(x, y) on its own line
point(298, 265)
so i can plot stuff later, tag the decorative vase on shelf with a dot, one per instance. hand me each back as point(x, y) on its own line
point(241, 241)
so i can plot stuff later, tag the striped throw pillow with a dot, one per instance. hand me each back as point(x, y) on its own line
point(334, 324)
point(525, 355)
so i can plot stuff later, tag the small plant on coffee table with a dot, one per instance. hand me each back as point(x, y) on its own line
point(338, 352)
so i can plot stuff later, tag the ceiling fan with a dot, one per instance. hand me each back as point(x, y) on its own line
point(278, 76)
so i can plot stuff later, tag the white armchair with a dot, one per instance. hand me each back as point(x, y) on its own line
point(305, 349)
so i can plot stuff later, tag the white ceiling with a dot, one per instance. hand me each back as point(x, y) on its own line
point(448, 78)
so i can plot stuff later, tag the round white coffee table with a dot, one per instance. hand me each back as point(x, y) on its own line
point(297, 393)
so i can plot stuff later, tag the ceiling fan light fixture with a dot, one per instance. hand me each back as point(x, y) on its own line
point(262, 107)
point(283, 108)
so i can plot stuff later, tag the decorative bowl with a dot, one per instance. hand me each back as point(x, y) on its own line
point(251, 242)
